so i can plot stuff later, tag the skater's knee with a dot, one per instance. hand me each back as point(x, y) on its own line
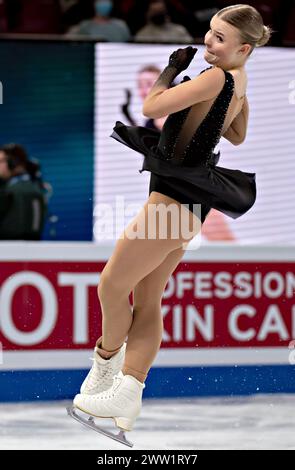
point(104, 288)
point(149, 306)
point(147, 294)
point(108, 289)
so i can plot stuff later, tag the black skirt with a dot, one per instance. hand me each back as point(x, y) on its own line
point(230, 191)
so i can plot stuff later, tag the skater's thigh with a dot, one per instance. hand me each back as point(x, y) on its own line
point(134, 257)
point(148, 292)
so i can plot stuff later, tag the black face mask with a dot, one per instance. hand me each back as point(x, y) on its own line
point(158, 18)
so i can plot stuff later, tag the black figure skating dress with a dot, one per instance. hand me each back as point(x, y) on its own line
point(189, 173)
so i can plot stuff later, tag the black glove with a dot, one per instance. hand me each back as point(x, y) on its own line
point(181, 58)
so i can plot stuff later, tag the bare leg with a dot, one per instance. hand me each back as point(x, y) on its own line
point(145, 334)
point(132, 261)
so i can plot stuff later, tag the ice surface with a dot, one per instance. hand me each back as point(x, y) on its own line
point(252, 422)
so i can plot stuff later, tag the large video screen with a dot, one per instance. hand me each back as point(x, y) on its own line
point(124, 73)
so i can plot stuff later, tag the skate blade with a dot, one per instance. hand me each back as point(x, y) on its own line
point(90, 423)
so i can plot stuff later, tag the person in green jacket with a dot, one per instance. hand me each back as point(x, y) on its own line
point(23, 204)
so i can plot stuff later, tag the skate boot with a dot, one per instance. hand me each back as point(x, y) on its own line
point(100, 376)
point(122, 402)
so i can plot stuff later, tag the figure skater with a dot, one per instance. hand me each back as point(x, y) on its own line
point(184, 172)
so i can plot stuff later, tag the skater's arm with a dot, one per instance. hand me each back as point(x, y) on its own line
point(163, 100)
point(236, 133)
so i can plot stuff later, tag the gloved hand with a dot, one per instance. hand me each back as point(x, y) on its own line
point(181, 58)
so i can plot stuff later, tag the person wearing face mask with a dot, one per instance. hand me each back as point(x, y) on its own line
point(102, 25)
point(159, 28)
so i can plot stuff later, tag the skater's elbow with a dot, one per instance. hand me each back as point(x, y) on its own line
point(238, 141)
point(149, 113)
point(235, 141)
point(146, 114)
point(233, 137)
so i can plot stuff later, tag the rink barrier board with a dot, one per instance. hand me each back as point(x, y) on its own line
point(168, 382)
point(177, 372)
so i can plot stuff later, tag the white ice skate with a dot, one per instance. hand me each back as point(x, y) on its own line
point(122, 402)
point(100, 377)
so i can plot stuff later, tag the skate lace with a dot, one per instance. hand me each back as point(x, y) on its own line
point(110, 393)
point(101, 375)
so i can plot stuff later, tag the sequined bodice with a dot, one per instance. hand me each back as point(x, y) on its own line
point(204, 139)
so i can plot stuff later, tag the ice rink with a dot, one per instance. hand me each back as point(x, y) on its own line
point(252, 422)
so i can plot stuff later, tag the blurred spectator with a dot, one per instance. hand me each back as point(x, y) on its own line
point(102, 25)
point(159, 28)
point(23, 204)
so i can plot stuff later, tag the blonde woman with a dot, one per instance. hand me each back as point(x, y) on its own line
point(183, 174)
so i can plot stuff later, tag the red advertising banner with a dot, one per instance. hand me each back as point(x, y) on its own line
point(54, 305)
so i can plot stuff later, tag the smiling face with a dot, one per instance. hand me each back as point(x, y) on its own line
point(223, 45)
